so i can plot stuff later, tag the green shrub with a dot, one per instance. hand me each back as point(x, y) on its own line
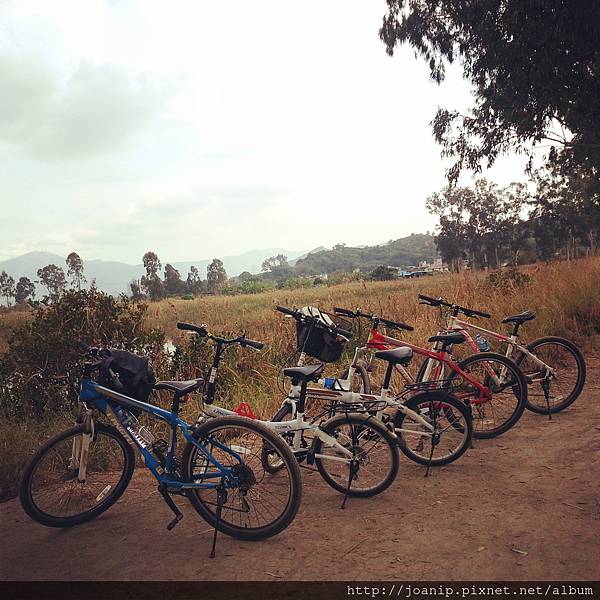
point(39, 372)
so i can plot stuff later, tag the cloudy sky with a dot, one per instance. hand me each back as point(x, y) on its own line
point(199, 129)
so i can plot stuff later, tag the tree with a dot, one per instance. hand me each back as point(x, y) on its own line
point(25, 288)
point(278, 267)
point(216, 276)
point(53, 278)
point(173, 283)
point(534, 67)
point(7, 286)
point(136, 290)
point(383, 273)
point(195, 285)
point(151, 283)
point(75, 271)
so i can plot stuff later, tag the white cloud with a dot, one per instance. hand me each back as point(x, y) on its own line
point(202, 128)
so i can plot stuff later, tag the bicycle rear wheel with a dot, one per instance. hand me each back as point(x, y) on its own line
point(263, 504)
point(374, 449)
point(50, 490)
point(453, 428)
point(508, 392)
point(561, 389)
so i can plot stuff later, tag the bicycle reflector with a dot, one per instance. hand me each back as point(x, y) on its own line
point(245, 410)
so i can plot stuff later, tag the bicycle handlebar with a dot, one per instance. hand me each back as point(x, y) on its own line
point(469, 312)
point(359, 314)
point(203, 331)
point(300, 316)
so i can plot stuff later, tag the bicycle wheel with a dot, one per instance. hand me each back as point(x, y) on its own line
point(374, 448)
point(263, 504)
point(360, 382)
point(508, 392)
point(453, 428)
point(562, 388)
point(50, 491)
point(269, 457)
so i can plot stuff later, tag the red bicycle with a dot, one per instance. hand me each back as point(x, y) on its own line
point(496, 403)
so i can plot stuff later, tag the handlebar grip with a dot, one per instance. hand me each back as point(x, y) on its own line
point(199, 329)
point(286, 311)
point(397, 325)
point(343, 311)
point(479, 313)
point(344, 332)
point(253, 344)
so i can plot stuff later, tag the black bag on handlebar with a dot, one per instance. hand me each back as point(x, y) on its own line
point(318, 342)
point(126, 373)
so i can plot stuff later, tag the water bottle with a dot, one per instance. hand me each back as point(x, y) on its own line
point(482, 343)
point(329, 382)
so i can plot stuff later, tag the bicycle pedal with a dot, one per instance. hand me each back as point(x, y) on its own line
point(174, 522)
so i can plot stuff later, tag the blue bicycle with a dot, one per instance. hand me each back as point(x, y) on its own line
point(79, 473)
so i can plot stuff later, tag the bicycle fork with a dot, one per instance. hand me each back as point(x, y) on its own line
point(81, 446)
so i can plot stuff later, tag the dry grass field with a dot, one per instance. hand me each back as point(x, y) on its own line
point(532, 485)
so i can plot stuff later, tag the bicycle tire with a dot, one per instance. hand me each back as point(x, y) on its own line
point(27, 497)
point(295, 482)
point(451, 406)
point(362, 422)
point(581, 373)
point(520, 393)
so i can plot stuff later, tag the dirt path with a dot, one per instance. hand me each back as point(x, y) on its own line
point(524, 506)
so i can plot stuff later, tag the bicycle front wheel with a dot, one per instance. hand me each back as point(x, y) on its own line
point(374, 460)
point(445, 439)
point(263, 504)
point(507, 389)
point(51, 492)
point(551, 393)
point(360, 382)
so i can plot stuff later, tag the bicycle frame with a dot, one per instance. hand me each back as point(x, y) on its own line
point(441, 358)
point(115, 405)
point(456, 324)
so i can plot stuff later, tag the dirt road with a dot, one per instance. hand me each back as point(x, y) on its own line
point(523, 506)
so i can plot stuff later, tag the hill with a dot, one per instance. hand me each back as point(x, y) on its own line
point(114, 276)
point(403, 252)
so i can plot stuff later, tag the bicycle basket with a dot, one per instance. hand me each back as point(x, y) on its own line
point(126, 373)
point(319, 342)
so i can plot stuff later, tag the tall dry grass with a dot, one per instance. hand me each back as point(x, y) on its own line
point(565, 295)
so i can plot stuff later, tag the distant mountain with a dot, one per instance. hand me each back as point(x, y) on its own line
point(404, 252)
point(114, 277)
point(292, 262)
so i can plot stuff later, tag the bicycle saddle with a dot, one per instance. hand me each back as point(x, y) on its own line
point(307, 373)
point(526, 315)
point(397, 356)
point(448, 338)
point(181, 388)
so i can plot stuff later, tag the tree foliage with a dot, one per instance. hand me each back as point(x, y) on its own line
point(53, 278)
point(25, 289)
point(7, 286)
point(75, 270)
point(216, 276)
point(534, 67)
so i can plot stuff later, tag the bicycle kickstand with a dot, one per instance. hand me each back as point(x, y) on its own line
point(351, 474)
point(221, 498)
point(546, 388)
point(178, 516)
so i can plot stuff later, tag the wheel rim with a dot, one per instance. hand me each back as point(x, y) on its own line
point(262, 498)
point(560, 385)
point(55, 490)
point(504, 400)
point(451, 431)
point(372, 453)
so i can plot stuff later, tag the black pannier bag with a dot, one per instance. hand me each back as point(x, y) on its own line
point(316, 341)
point(131, 374)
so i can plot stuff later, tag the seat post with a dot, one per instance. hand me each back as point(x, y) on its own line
point(516, 328)
point(175, 403)
point(388, 376)
point(302, 400)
